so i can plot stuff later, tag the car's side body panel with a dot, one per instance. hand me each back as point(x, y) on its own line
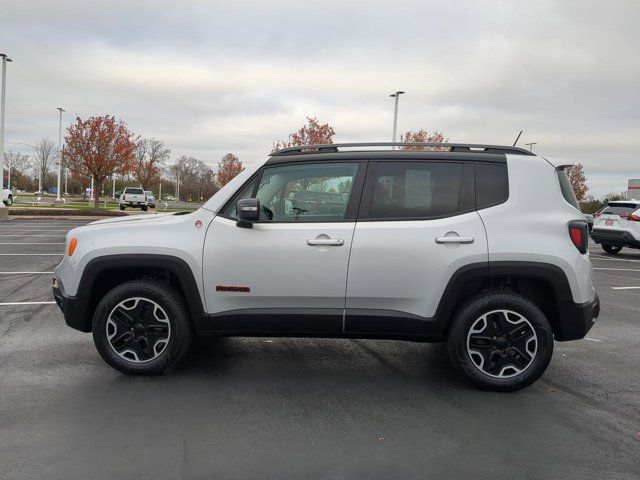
point(531, 227)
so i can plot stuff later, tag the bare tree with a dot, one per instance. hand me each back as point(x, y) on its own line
point(196, 178)
point(148, 161)
point(46, 154)
point(18, 164)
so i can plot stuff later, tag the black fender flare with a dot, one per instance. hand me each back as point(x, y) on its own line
point(78, 310)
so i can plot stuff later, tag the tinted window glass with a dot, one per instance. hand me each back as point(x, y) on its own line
point(134, 191)
point(491, 184)
point(567, 190)
point(311, 192)
point(416, 190)
point(620, 208)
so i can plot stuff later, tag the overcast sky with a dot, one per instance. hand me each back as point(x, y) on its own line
point(211, 77)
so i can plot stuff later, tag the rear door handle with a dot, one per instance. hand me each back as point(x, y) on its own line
point(331, 242)
point(454, 239)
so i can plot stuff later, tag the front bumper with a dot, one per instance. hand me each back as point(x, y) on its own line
point(617, 238)
point(576, 319)
point(72, 308)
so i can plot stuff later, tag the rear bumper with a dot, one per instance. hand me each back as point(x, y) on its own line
point(73, 309)
point(576, 319)
point(618, 238)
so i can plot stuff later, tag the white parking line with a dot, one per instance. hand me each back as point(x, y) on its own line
point(25, 273)
point(618, 269)
point(9, 304)
point(608, 259)
point(592, 339)
point(625, 288)
point(33, 243)
point(30, 254)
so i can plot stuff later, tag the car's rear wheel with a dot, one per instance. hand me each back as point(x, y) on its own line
point(500, 341)
point(611, 248)
point(144, 209)
point(142, 327)
point(122, 207)
point(9, 201)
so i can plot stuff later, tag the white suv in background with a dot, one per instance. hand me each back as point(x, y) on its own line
point(327, 241)
point(617, 226)
point(7, 196)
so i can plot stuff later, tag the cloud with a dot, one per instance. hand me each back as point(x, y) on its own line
point(208, 78)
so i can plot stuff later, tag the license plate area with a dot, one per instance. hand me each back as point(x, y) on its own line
point(608, 223)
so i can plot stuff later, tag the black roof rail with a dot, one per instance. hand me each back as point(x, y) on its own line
point(451, 147)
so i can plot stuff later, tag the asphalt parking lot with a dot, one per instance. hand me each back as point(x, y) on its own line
point(304, 408)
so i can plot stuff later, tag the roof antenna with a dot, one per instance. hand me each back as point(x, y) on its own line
point(517, 138)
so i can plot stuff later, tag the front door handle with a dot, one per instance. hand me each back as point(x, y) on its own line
point(330, 242)
point(454, 240)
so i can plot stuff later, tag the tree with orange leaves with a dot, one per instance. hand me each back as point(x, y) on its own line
point(578, 181)
point(228, 168)
point(99, 147)
point(423, 136)
point(313, 133)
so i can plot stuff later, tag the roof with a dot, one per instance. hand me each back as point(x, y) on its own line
point(433, 146)
point(381, 150)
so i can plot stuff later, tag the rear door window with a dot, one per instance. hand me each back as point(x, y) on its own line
point(415, 190)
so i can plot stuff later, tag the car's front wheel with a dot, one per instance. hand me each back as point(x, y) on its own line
point(9, 201)
point(500, 341)
point(142, 327)
point(611, 248)
point(122, 207)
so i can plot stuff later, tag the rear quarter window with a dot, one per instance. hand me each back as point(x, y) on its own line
point(492, 184)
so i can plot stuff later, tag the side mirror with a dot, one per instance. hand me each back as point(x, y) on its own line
point(248, 211)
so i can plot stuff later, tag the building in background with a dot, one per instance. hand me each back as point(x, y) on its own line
point(633, 188)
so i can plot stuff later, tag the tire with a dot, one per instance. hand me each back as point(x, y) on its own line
point(9, 201)
point(144, 209)
point(136, 337)
point(122, 207)
point(491, 359)
point(611, 249)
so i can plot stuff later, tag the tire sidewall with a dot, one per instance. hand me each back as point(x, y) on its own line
point(611, 249)
point(175, 310)
point(480, 305)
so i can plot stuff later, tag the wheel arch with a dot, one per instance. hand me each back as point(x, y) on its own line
point(545, 284)
point(104, 273)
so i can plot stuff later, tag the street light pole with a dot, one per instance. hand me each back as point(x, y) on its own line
point(396, 95)
point(60, 109)
point(4, 215)
point(531, 144)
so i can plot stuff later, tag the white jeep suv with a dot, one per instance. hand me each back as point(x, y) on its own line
point(617, 226)
point(351, 241)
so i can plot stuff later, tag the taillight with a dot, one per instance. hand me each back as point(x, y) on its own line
point(633, 218)
point(596, 215)
point(579, 236)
